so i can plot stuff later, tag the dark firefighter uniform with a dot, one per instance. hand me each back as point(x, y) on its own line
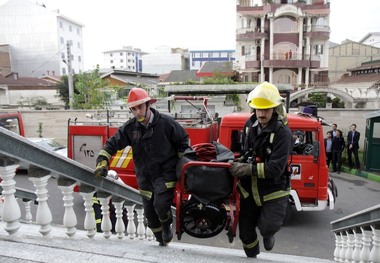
point(264, 195)
point(156, 149)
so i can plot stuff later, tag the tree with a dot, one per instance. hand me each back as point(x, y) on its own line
point(63, 89)
point(91, 91)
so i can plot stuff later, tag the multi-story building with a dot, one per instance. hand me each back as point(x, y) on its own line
point(283, 41)
point(126, 58)
point(199, 57)
point(38, 39)
point(165, 59)
point(349, 55)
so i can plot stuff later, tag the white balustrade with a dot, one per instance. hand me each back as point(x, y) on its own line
point(140, 224)
point(119, 225)
point(11, 212)
point(131, 228)
point(106, 224)
point(89, 218)
point(28, 213)
point(43, 216)
point(375, 252)
point(358, 245)
point(69, 217)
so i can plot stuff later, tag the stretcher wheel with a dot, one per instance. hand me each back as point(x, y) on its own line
point(203, 221)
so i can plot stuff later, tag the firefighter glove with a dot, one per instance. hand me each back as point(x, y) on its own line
point(240, 169)
point(101, 169)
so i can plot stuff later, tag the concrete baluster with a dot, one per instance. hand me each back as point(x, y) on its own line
point(338, 246)
point(119, 226)
point(342, 254)
point(140, 224)
point(39, 177)
point(28, 213)
point(149, 234)
point(11, 210)
point(87, 194)
point(350, 246)
point(106, 224)
point(131, 228)
point(366, 242)
point(69, 217)
point(358, 245)
point(375, 251)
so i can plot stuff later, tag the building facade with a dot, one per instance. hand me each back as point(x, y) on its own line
point(199, 57)
point(38, 39)
point(283, 41)
point(372, 39)
point(349, 55)
point(165, 59)
point(126, 58)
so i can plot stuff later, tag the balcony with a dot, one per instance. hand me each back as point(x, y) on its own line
point(248, 34)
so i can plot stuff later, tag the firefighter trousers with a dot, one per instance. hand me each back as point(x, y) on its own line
point(158, 210)
point(268, 218)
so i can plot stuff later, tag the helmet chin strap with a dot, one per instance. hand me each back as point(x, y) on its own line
point(143, 118)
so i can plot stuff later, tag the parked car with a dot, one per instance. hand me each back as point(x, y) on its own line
point(47, 143)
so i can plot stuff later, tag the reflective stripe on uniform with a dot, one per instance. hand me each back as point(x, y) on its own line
point(260, 170)
point(171, 184)
point(251, 245)
point(105, 154)
point(147, 194)
point(122, 158)
point(255, 190)
point(271, 138)
point(155, 230)
point(243, 192)
point(277, 194)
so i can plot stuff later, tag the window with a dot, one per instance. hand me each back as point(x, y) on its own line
point(70, 28)
point(78, 31)
point(111, 61)
point(121, 60)
point(60, 24)
point(79, 58)
point(63, 55)
point(121, 53)
point(63, 71)
point(78, 44)
point(111, 55)
point(319, 49)
point(62, 40)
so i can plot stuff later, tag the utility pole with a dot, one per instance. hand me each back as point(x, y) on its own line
point(70, 75)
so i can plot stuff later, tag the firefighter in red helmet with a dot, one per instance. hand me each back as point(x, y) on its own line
point(157, 141)
point(264, 178)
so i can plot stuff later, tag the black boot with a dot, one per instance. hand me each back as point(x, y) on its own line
point(269, 243)
point(167, 233)
point(158, 236)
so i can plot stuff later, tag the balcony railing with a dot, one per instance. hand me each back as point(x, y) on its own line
point(357, 236)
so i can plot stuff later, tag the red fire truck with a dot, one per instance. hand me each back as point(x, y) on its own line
point(311, 187)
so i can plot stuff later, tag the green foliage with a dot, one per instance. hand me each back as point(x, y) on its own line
point(91, 92)
point(320, 99)
point(63, 89)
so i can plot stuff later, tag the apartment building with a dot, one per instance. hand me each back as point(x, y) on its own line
point(126, 58)
point(39, 39)
point(198, 58)
point(283, 41)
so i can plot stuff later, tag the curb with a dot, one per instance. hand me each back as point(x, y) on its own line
point(365, 174)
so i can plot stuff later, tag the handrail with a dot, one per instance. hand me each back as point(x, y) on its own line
point(17, 147)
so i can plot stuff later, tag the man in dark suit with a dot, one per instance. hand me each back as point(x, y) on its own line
point(353, 137)
point(333, 131)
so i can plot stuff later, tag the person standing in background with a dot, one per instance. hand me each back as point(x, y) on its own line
point(337, 146)
point(333, 131)
point(353, 138)
point(328, 148)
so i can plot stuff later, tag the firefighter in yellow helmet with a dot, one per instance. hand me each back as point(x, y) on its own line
point(157, 141)
point(262, 170)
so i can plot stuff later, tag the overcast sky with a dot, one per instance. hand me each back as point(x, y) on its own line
point(192, 24)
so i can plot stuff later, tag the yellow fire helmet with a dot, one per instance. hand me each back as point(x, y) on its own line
point(264, 96)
